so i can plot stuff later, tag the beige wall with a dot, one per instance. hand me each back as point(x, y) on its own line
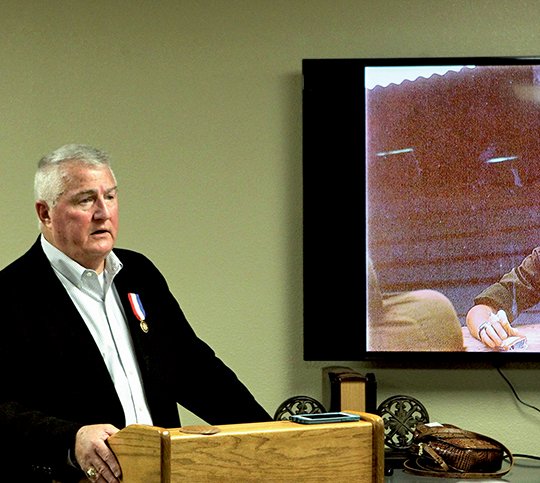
point(199, 102)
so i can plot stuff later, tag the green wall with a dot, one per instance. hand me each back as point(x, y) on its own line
point(199, 103)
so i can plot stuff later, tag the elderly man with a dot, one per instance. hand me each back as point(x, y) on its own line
point(92, 339)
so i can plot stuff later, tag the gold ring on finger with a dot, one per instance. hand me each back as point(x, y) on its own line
point(91, 472)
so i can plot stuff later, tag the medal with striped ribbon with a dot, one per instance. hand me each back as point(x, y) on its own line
point(138, 311)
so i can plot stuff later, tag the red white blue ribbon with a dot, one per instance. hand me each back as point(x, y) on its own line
point(138, 310)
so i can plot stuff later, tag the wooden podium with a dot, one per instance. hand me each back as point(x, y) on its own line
point(257, 452)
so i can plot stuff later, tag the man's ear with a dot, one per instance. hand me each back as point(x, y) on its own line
point(43, 212)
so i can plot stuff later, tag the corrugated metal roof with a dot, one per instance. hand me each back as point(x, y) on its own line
point(384, 76)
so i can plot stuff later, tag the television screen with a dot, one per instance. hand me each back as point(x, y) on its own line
point(421, 182)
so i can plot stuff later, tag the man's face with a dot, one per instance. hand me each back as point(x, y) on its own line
point(84, 222)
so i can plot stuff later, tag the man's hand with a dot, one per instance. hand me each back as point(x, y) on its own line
point(490, 328)
point(94, 456)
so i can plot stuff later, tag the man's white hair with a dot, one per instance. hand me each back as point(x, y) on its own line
point(50, 177)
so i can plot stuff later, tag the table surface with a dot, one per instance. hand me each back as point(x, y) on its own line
point(531, 331)
point(525, 470)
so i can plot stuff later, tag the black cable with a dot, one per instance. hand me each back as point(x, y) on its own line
point(519, 455)
point(530, 456)
point(515, 392)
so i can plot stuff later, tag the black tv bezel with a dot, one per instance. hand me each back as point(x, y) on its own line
point(334, 213)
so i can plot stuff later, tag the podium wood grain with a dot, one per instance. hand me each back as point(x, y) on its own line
point(277, 451)
point(138, 449)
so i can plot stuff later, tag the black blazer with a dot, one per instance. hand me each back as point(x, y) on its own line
point(54, 379)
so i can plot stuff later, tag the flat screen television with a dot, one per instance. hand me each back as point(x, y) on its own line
point(429, 168)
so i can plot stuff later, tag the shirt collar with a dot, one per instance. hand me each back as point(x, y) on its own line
point(72, 270)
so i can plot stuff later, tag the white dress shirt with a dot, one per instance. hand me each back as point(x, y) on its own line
point(98, 302)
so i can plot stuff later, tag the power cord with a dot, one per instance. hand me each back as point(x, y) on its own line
point(511, 386)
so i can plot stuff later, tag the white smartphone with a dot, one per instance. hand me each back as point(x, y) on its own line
point(319, 418)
